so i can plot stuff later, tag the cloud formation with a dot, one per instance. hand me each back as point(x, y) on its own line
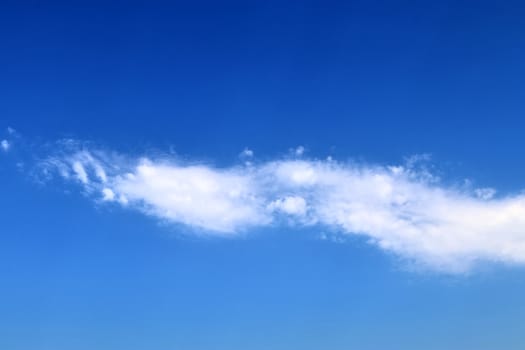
point(399, 209)
point(4, 144)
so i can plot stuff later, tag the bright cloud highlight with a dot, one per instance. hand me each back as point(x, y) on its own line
point(4, 144)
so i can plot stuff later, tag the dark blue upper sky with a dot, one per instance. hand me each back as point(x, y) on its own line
point(367, 80)
point(375, 79)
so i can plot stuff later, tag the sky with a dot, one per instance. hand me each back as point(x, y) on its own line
point(262, 175)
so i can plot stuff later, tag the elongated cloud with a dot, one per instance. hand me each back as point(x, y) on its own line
point(399, 209)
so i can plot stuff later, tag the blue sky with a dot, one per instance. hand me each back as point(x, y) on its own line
point(263, 175)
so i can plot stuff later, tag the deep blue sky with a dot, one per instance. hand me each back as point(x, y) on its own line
point(368, 80)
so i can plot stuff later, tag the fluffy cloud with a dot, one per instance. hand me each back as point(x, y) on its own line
point(246, 153)
point(4, 144)
point(215, 200)
point(293, 205)
point(399, 209)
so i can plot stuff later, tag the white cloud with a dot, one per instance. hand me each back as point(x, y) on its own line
point(397, 208)
point(485, 193)
point(215, 200)
point(299, 151)
point(80, 172)
point(246, 153)
point(108, 194)
point(5, 145)
point(293, 205)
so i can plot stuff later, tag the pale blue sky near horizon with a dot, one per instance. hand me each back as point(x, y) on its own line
point(369, 82)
